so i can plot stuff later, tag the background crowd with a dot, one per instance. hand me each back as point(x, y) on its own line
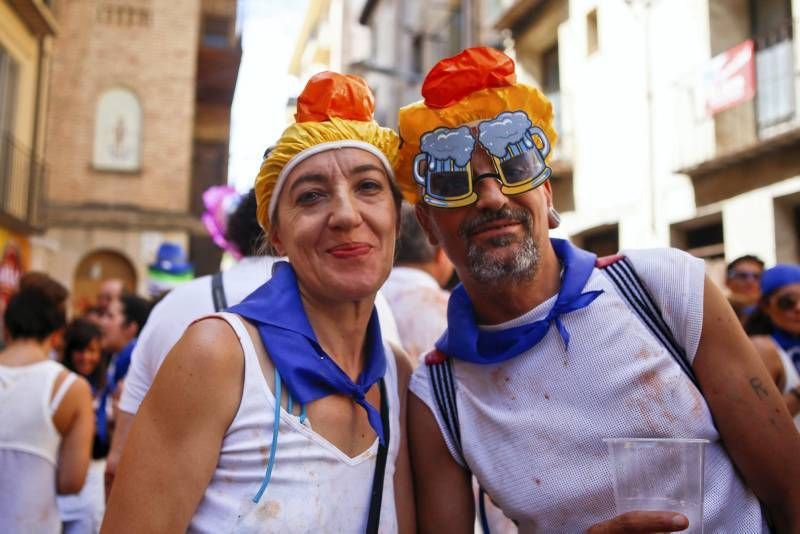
point(96, 344)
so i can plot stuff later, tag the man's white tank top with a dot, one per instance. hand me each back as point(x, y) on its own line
point(792, 376)
point(315, 487)
point(29, 443)
point(532, 427)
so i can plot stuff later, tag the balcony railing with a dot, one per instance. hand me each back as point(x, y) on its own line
point(700, 137)
point(21, 183)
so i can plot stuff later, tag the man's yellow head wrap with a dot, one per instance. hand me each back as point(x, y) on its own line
point(476, 84)
point(333, 111)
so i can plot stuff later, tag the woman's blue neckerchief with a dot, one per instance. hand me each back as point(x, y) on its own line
point(790, 344)
point(307, 371)
point(465, 341)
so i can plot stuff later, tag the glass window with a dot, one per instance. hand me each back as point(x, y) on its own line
point(216, 30)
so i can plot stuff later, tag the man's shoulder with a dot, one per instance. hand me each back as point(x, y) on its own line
point(193, 291)
point(657, 254)
point(246, 276)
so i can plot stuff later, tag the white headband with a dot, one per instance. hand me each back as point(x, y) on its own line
point(316, 149)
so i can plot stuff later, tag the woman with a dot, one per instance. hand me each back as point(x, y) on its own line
point(82, 513)
point(46, 414)
point(286, 414)
point(774, 328)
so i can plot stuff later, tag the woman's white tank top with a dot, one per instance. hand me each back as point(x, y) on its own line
point(29, 443)
point(315, 487)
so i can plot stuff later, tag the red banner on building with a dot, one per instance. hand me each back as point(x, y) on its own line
point(730, 78)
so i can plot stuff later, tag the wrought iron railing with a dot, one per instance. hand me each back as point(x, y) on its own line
point(21, 182)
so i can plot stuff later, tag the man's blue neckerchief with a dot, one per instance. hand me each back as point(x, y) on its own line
point(790, 344)
point(307, 371)
point(465, 341)
point(117, 372)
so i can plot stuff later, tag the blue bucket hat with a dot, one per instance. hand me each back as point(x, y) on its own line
point(170, 259)
point(776, 277)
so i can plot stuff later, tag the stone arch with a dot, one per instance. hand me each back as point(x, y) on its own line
point(96, 266)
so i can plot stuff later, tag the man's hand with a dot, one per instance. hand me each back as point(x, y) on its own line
point(641, 523)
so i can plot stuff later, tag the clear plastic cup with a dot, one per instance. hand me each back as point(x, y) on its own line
point(660, 475)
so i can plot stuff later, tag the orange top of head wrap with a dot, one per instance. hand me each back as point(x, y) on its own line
point(330, 94)
point(456, 77)
point(476, 84)
point(334, 110)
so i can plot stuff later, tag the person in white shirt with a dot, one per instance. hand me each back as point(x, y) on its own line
point(195, 299)
point(414, 288)
point(46, 417)
point(287, 411)
point(549, 350)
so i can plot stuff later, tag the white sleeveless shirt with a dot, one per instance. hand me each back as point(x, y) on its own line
point(315, 487)
point(532, 426)
point(29, 443)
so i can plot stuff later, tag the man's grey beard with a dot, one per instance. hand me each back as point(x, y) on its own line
point(491, 270)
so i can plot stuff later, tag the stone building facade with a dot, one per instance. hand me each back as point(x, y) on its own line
point(137, 128)
point(678, 121)
point(27, 28)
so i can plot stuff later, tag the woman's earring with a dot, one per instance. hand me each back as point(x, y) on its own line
point(553, 218)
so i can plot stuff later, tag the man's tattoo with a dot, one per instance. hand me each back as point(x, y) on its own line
point(758, 387)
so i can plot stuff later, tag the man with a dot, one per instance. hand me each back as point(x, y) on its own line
point(192, 300)
point(110, 290)
point(742, 280)
point(414, 288)
point(120, 324)
point(122, 321)
point(546, 354)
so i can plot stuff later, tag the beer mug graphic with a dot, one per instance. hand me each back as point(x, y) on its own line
point(442, 167)
point(510, 140)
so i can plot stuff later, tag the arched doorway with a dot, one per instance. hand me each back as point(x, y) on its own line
point(95, 267)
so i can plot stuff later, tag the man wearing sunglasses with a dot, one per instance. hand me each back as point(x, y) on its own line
point(543, 357)
point(742, 280)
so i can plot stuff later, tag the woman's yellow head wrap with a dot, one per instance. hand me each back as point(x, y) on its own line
point(476, 84)
point(333, 111)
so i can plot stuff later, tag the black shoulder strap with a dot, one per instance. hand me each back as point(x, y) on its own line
point(443, 385)
point(218, 292)
point(635, 294)
point(376, 497)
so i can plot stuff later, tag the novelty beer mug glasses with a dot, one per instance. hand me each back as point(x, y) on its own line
point(443, 167)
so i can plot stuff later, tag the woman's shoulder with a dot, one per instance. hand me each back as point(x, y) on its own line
point(210, 343)
point(402, 363)
point(203, 371)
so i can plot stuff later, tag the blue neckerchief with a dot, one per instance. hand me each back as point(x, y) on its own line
point(119, 369)
point(471, 344)
point(790, 344)
point(308, 372)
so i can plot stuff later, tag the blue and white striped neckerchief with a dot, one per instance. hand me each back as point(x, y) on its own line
point(463, 339)
point(307, 370)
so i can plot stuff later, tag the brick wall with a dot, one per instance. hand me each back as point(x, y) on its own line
point(148, 47)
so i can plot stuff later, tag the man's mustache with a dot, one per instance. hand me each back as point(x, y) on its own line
point(519, 215)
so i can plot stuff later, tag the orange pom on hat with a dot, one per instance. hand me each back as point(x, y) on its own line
point(456, 77)
point(330, 94)
point(334, 111)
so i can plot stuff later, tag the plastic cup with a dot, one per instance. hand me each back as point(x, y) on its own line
point(659, 475)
